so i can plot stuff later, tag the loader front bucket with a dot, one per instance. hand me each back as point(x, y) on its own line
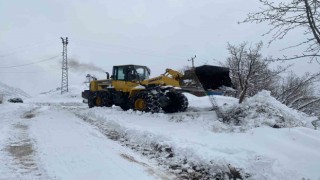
point(206, 80)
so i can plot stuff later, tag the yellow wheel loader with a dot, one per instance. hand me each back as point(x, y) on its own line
point(130, 88)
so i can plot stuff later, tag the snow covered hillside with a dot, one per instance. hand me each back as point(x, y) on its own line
point(11, 92)
point(55, 136)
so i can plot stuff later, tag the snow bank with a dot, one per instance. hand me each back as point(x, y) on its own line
point(190, 148)
point(179, 159)
point(263, 109)
point(197, 104)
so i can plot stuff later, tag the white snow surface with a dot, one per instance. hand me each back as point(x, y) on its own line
point(263, 109)
point(54, 136)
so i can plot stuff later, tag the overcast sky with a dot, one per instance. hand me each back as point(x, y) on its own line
point(159, 34)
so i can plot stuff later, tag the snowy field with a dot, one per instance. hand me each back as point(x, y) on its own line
point(51, 136)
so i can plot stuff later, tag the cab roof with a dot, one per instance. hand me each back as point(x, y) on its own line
point(129, 65)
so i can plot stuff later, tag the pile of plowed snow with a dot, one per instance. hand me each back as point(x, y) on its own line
point(263, 109)
point(10, 92)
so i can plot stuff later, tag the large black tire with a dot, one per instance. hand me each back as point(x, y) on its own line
point(178, 102)
point(146, 101)
point(95, 99)
point(91, 99)
point(106, 99)
point(91, 102)
point(125, 106)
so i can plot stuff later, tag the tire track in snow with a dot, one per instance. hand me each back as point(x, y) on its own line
point(73, 161)
point(149, 168)
point(164, 155)
point(21, 149)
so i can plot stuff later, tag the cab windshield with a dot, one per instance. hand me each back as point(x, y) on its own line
point(142, 72)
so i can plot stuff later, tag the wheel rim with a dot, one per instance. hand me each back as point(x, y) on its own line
point(139, 104)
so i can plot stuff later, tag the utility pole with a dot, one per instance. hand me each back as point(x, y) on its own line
point(192, 60)
point(64, 80)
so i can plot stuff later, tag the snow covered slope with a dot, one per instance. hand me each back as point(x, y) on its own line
point(11, 92)
point(61, 138)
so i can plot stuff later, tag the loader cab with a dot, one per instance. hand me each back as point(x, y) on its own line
point(130, 73)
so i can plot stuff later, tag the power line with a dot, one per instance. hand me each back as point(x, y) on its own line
point(25, 48)
point(28, 72)
point(27, 64)
point(35, 71)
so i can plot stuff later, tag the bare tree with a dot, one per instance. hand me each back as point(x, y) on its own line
point(249, 71)
point(299, 92)
point(284, 17)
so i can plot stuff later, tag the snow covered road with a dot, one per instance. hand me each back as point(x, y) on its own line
point(49, 143)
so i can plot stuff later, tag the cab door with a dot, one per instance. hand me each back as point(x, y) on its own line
point(121, 80)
